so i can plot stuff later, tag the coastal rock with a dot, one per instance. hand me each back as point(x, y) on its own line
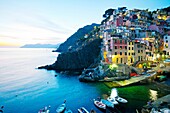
point(78, 60)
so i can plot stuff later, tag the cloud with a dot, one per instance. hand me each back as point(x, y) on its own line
point(32, 28)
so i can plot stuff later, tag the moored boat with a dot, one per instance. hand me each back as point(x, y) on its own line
point(112, 100)
point(107, 103)
point(61, 108)
point(44, 110)
point(83, 110)
point(99, 104)
point(120, 99)
point(68, 111)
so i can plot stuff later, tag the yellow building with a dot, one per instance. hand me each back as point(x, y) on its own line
point(130, 52)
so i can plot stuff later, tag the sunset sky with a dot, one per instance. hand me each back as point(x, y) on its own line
point(53, 21)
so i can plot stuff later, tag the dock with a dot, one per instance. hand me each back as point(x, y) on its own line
point(130, 81)
point(158, 105)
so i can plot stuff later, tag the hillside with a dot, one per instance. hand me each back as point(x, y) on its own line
point(71, 41)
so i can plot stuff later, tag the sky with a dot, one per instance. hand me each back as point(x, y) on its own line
point(53, 21)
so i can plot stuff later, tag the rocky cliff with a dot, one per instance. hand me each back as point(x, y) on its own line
point(79, 59)
point(71, 41)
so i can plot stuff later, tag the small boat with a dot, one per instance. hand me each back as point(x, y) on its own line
point(68, 111)
point(83, 110)
point(61, 108)
point(92, 111)
point(1, 111)
point(107, 103)
point(120, 99)
point(112, 100)
point(99, 104)
point(44, 110)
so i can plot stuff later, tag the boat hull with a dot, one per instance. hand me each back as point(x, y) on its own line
point(82, 110)
point(61, 108)
point(99, 105)
point(112, 100)
point(121, 100)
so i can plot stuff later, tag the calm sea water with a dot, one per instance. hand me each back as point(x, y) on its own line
point(25, 89)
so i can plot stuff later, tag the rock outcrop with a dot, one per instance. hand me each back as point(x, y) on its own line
point(76, 61)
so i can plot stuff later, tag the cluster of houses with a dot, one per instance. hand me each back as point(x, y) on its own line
point(131, 36)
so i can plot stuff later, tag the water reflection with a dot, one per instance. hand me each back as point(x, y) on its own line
point(113, 93)
point(153, 94)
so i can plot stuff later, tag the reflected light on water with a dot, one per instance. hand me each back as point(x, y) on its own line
point(113, 93)
point(153, 94)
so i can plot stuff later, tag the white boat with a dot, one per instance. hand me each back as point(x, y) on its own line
point(120, 99)
point(83, 110)
point(112, 100)
point(99, 104)
point(61, 108)
point(44, 110)
point(68, 111)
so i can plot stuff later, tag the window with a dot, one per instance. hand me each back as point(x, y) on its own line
point(166, 41)
point(129, 54)
point(134, 53)
point(120, 53)
point(138, 58)
point(115, 41)
point(132, 48)
point(138, 46)
point(129, 43)
point(125, 53)
point(138, 51)
point(131, 60)
point(115, 47)
point(166, 37)
point(115, 53)
point(141, 51)
point(120, 41)
point(129, 48)
point(125, 47)
point(120, 47)
point(121, 60)
point(125, 41)
point(117, 60)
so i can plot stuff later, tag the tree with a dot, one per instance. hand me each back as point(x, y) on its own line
point(108, 12)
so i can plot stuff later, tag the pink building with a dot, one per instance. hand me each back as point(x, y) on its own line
point(119, 21)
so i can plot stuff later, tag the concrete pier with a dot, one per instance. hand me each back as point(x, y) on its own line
point(158, 106)
point(132, 80)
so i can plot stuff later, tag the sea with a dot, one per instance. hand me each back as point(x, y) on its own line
point(26, 89)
